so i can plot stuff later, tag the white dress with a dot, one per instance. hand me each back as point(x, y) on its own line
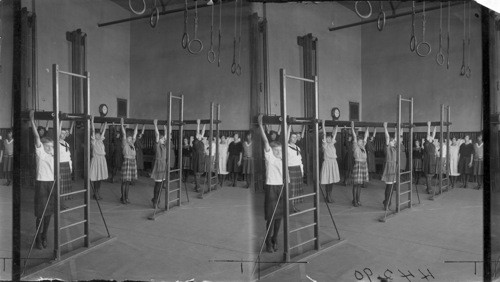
point(454, 160)
point(330, 169)
point(223, 158)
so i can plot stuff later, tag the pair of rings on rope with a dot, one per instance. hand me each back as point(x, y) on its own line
point(381, 14)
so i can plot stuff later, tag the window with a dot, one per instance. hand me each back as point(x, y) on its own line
point(353, 111)
point(122, 108)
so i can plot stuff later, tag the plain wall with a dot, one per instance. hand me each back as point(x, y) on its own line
point(6, 62)
point(108, 51)
point(339, 55)
point(159, 65)
point(390, 69)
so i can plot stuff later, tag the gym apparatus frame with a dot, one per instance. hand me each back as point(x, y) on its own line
point(287, 259)
point(57, 256)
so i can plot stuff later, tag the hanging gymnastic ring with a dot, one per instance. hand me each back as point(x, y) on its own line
point(381, 20)
point(238, 70)
point(195, 51)
point(359, 14)
point(211, 56)
point(233, 67)
point(185, 40)
point(154, 17)
point(468, 72)
point(462, 70)
point(440, 58)
point(137, 12)
point(421, 54)
point(413, 43)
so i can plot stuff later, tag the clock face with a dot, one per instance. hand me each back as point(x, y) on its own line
point(103, 109)
point(335, 113)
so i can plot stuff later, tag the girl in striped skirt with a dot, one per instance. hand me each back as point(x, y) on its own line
point(360, 169)
point(129, 166)
point(98, 165)
point(66, 165)
point(160, 164)
point(295, 169)
point(389, 175)
point(417, 160)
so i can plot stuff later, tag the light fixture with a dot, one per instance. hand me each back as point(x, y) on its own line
point(210, 3)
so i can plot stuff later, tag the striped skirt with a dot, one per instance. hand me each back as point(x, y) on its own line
point(360, 172)
point(98, 168)
point(129, 170)
point(389, 175)
point(65, 183)
point(7, 163)
point(296, 182)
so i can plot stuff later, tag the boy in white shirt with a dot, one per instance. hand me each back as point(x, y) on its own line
point(44, 190)
point(273, 190)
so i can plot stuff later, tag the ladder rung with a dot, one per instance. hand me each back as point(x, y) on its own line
point(73, 224)
point(175, 200)
point(175, 180)
point(404, 192)
point(76, 239)
point(404, 172)
point(406, 202)
point(73, 208)
point(405, 182)
point(175, 170)
point(301, 212)
point(303, 243)
point(303, 227)
point(302, 196)
point(171, 191)
point(72, 193)
point(176, 97)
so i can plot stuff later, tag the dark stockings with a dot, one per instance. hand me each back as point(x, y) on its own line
point(388, 197)
point(329, 188)
point(272, 240)
point(222, 178)
point(41, 239)
point(125, 188)
point(97, 190)
point(356, 195)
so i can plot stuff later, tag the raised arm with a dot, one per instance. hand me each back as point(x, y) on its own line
point(367, 133)
point(92, 130)
point(203, 130)
point(103, 129)
point(335, 131)
point(157, 133)
point(387, 137)
point(197, 127)
point(135, 132)
point(267, 148)
point(428, 129)
point(38, 143)
point(434, 132)
point(143, 129)
point(374, 132)
point(354, 137)
point(303, 133)
point(124, 134)
point(71, 128)
point(47, 126)
point(324, 130)
point(289, 132)
point(279, 130)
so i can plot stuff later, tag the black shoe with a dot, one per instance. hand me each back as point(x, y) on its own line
point(354, 203)
point(359, 203)
point(44, 243)
point(269, 248)
point(38, 244)
point(127, 201)
point(275, 246)
point(123, 201)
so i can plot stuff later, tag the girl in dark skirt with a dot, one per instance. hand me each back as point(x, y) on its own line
point(186, 159)
point(160, 164)
point(429, 158)
point(248, 159)
point(44, 187)
point(139, 156)
point(478, 161)
point(360, 169)
point(274, 200)
point(235, 150)
point(198, 161)
point(117, 153)
point(129, 166)
point(417, 160)
point(390, 167)
point(466, 157)
point(348, 159)
point(370, 150)
point(7, 156)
